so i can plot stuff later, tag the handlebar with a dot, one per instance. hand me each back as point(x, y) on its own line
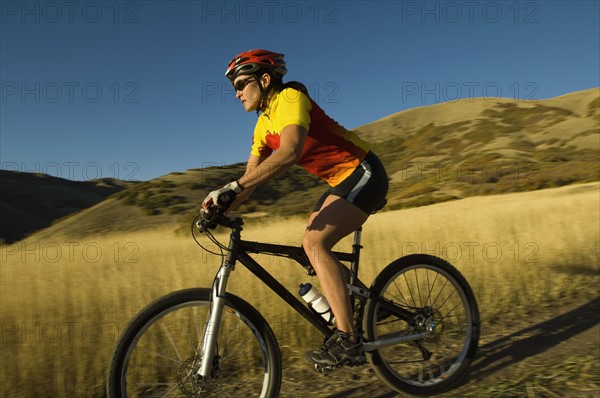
point(217, 216)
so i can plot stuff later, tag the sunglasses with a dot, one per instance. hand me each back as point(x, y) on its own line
point(241, 84)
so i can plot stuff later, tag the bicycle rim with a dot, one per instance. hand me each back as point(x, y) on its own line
point(446, 311)
point(161, 352)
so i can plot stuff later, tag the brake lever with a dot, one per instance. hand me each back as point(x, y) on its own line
point(212, 219)
point(207, 220)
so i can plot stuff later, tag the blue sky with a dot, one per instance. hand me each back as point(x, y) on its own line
point(136, 90)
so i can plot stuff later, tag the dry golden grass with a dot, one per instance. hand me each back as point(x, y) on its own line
point(65, 302)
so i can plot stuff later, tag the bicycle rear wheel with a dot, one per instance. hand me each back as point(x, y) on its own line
point(443, 306)
point(160, 351)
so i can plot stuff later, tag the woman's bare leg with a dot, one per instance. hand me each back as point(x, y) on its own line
point(336, 219)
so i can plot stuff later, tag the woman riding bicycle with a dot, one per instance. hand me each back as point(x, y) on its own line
point(293, 129)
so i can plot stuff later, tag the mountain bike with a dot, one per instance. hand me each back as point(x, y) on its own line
point(419, 321)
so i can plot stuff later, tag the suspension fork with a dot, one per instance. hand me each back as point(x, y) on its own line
point(218, 299)
point(211, 332)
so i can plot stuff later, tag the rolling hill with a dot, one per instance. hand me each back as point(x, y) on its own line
point(476, 147)
point(433, 154)
point(31, 201)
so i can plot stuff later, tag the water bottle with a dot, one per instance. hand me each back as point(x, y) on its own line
point(317, 302)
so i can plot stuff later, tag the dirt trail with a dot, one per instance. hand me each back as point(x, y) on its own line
point(554, 354)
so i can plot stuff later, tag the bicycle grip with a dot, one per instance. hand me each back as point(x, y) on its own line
point(226, 199)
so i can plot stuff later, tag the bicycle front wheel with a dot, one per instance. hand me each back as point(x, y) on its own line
point(160, 351)
point(443, 307)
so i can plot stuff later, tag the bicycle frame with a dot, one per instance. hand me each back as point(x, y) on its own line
point(238, 250)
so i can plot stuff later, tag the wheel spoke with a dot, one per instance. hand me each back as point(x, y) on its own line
point(432, 286)
point(440, 292)
point(159, 355)
point(170, 338)
point(428, 288)
point(414, 304)
point(445, 301)
point(447, 315)
point(418, 289)
point(401, 295)
point(170, 390)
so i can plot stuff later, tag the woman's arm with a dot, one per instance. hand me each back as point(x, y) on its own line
point(253, 162)
point(260, 169)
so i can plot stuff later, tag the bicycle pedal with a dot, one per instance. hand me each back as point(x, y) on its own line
point(325, 369)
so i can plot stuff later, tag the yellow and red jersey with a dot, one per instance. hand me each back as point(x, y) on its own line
point(330, 151)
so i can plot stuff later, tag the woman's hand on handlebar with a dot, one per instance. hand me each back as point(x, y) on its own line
point(222, 198)
point(210, 220)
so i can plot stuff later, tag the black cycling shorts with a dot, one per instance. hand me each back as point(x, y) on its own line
point(366, 187)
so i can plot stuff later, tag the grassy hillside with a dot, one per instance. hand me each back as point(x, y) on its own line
point(528, 257)
point(433, 154)
point(31, 201)
point(477, 147)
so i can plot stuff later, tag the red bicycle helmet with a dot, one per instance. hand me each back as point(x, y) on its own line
point(250, 62)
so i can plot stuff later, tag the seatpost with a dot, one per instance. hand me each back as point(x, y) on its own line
point(356, 246)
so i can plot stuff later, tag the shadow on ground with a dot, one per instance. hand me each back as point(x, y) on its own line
point(514, 348)
point(499, 355)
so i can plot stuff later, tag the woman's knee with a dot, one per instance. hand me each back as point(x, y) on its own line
point(313, 241)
